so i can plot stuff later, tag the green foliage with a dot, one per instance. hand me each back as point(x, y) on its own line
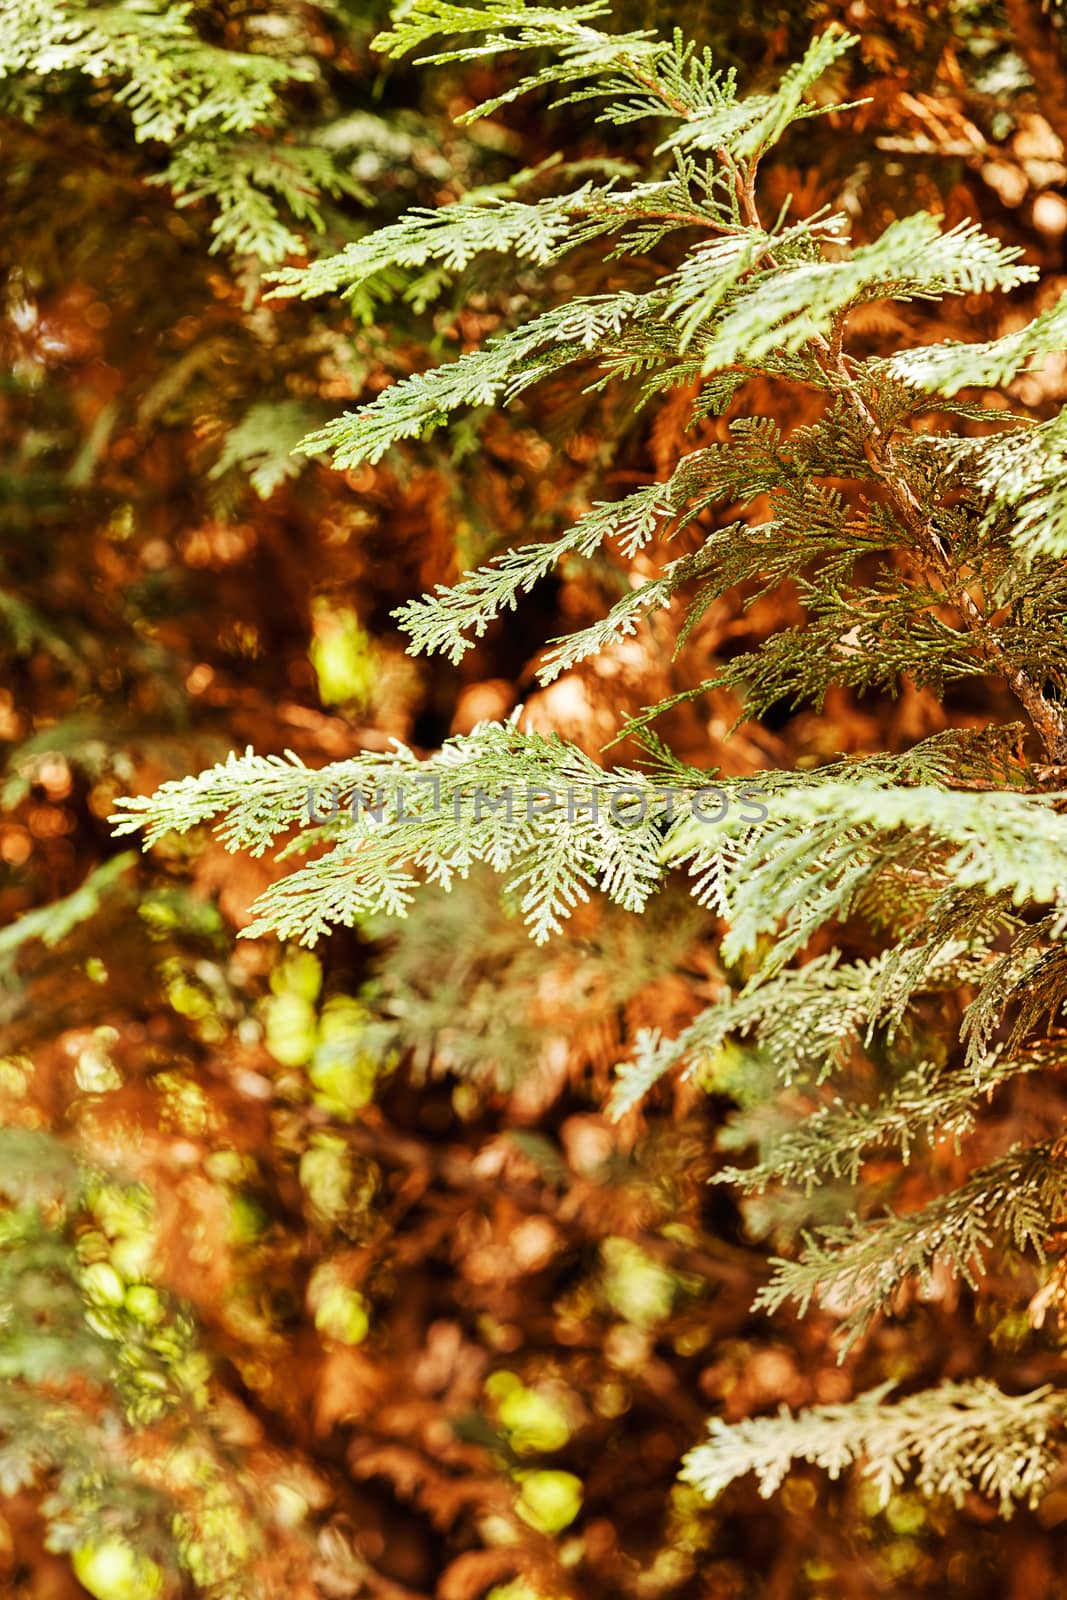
point(220, 110)
point(920, 556)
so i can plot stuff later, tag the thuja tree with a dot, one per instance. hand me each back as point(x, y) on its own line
point(921, 520)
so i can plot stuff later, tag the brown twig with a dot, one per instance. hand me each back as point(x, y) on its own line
point(722, 1263)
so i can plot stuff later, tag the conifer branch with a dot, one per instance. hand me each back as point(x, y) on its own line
point(1049, 719)
point(917, 555)
point(856, 1270)
point(955, 1437)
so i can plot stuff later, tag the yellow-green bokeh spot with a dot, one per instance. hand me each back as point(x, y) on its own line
point(341, 1313)
point(345, 1066)
point(519, 1589)
point(548, 1501)
point(291, 1029)
point(533, 1421)
point(110, 1569)
point(636, 1287)
point(328, 1179)
point(300, 973)
point(343, 655)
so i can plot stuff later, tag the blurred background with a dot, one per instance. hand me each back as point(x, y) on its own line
point(322, 1273)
